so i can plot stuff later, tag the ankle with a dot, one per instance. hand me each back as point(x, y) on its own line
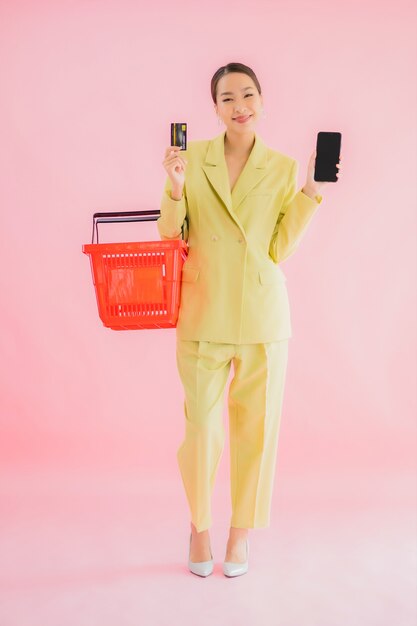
point(238, 533)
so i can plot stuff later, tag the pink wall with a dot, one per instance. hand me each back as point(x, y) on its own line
point(88, 92)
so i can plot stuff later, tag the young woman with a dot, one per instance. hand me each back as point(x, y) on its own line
point(235, 201)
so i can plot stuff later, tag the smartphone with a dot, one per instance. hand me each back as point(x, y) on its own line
point(179, 135)
point(328, 155)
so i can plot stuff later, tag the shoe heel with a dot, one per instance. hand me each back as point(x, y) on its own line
point(231, 569)
point(202, 568)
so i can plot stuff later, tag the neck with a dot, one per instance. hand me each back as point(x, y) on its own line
point(237, 144)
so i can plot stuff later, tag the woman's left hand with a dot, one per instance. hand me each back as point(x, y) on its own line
point(313, 187)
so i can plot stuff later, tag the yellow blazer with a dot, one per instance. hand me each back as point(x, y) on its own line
point(232, 289)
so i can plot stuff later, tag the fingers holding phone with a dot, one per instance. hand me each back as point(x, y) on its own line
point(327, 156)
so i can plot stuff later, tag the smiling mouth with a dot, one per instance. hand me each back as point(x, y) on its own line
point(242, 118)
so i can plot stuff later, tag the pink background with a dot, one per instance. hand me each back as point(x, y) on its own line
point(94, 522)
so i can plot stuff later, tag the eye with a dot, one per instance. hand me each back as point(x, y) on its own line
point(248, 94)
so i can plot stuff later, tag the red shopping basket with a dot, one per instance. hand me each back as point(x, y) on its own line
point(137, 284)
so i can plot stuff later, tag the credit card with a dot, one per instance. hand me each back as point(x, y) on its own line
point(179, 135)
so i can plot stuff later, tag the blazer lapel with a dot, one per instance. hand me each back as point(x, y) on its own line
point(215, 169)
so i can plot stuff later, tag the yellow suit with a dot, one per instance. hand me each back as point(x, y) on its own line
point(233, 290)
point(234, 308)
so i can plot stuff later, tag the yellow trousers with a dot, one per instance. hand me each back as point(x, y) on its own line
point(254, 403)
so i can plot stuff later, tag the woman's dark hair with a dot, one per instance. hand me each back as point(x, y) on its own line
point(227, 69)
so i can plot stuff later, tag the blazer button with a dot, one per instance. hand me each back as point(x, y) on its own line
point(240, 240)
point(214, 237)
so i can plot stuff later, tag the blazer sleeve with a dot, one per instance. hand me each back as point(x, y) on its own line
point(173, 214)
point(293, 219)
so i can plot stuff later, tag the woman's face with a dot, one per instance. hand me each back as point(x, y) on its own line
point(241, 99)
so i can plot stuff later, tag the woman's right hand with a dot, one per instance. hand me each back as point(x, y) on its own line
point(174, 165)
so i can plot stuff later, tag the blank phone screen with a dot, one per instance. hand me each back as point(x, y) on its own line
point(328, 153)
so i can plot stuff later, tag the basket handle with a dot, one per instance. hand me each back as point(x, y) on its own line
point(126, 216)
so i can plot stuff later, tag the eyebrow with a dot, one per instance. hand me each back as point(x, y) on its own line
point(227, 93)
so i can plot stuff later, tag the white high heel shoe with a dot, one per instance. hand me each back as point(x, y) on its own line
point(236, 569)
point(203, 568)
